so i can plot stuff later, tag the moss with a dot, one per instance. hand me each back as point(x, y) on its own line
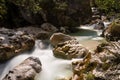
point(105, 66)
point(90, 76)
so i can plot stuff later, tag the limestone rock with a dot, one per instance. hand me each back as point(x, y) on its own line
point(13, 43)
point(57, 38)
point(70, 49)
point(112, 33)
point(27, 70)
point(109, 66)
point(67, 47)
point(82, 69)
point(104, 64)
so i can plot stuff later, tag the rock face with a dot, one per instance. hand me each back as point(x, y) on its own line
point(109, 65)
point(57, 12)
point(27, 70)
point(112, 33)
point(67, 47)
point(104, 64)
point(14, 42)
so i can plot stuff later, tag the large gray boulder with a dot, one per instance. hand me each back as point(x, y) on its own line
point(27, 70)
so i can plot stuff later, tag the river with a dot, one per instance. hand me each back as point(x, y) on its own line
point(53, 68)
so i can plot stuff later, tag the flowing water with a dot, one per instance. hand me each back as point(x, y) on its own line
point(53, 68)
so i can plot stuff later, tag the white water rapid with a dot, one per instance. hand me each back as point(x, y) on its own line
point(52, 68)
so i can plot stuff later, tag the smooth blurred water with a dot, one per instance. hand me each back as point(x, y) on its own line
point(53, 68)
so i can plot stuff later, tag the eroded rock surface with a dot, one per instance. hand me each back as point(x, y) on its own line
point(70, 49)
point(104, 64)
point(27, 70)
point(14, 42)
point(67, 47)
point(109, 55)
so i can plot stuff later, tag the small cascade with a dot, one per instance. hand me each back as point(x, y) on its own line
point(52, 68)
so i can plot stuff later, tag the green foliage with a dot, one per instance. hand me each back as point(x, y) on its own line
point(32, 5)
point(90, 76)
point(61, 6)
point(3, 9)
point(108, 6)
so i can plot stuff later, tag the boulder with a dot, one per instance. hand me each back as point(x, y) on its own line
point(109, 66)
point(112, 33)
point(59, 38)
point(13, 43)
point(99, 25)
point(27, 70)
point(104, 64)
point(67, 47)
point(49, 27)
point(42, 32)
point(70, 49)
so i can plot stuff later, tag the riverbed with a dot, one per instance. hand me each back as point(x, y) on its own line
point(54, 68)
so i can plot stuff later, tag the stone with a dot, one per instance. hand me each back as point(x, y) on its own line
point(27, 70)
point(112, 33)
point(42, 32)
point(82, 68)
point(70, 49)
point(59, 38)
point(67, 47)
point(49, 27)
point(13, 43)
point(99, 25)
point(109, 56)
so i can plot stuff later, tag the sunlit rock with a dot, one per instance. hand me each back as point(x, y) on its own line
point(57, 38)
point(27, 70)
point(82, 69)
point(109, 66)
point(67, 47)
point(70, 49)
